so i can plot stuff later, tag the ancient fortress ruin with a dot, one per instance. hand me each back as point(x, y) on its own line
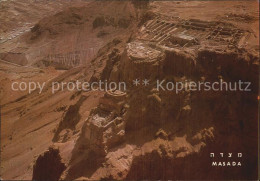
point(106, 127)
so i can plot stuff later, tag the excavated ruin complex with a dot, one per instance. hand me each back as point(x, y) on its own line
point(182, 33)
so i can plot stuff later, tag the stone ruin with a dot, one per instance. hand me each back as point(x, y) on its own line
point(70, 59)
point(180, 33)
point(183, 40)
point(105, 126)
point(140, 59)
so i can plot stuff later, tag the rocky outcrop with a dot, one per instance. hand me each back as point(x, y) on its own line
point(48, 166)
point(203, 119)
point(72, 17)
point(141, 60)
point(146, 133)
point(69, 122)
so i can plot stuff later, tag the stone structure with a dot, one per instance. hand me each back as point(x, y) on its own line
point(69, 59)
point(178, 32)
point(140, 59)
point(183, 40)
point(105, 126)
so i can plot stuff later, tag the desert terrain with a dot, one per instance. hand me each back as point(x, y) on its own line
point(141, 132)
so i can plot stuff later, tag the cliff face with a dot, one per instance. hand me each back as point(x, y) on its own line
point(168, 134)
point(147, 131)
point(48, 166)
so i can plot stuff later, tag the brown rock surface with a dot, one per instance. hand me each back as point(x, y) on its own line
point(48, 166)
